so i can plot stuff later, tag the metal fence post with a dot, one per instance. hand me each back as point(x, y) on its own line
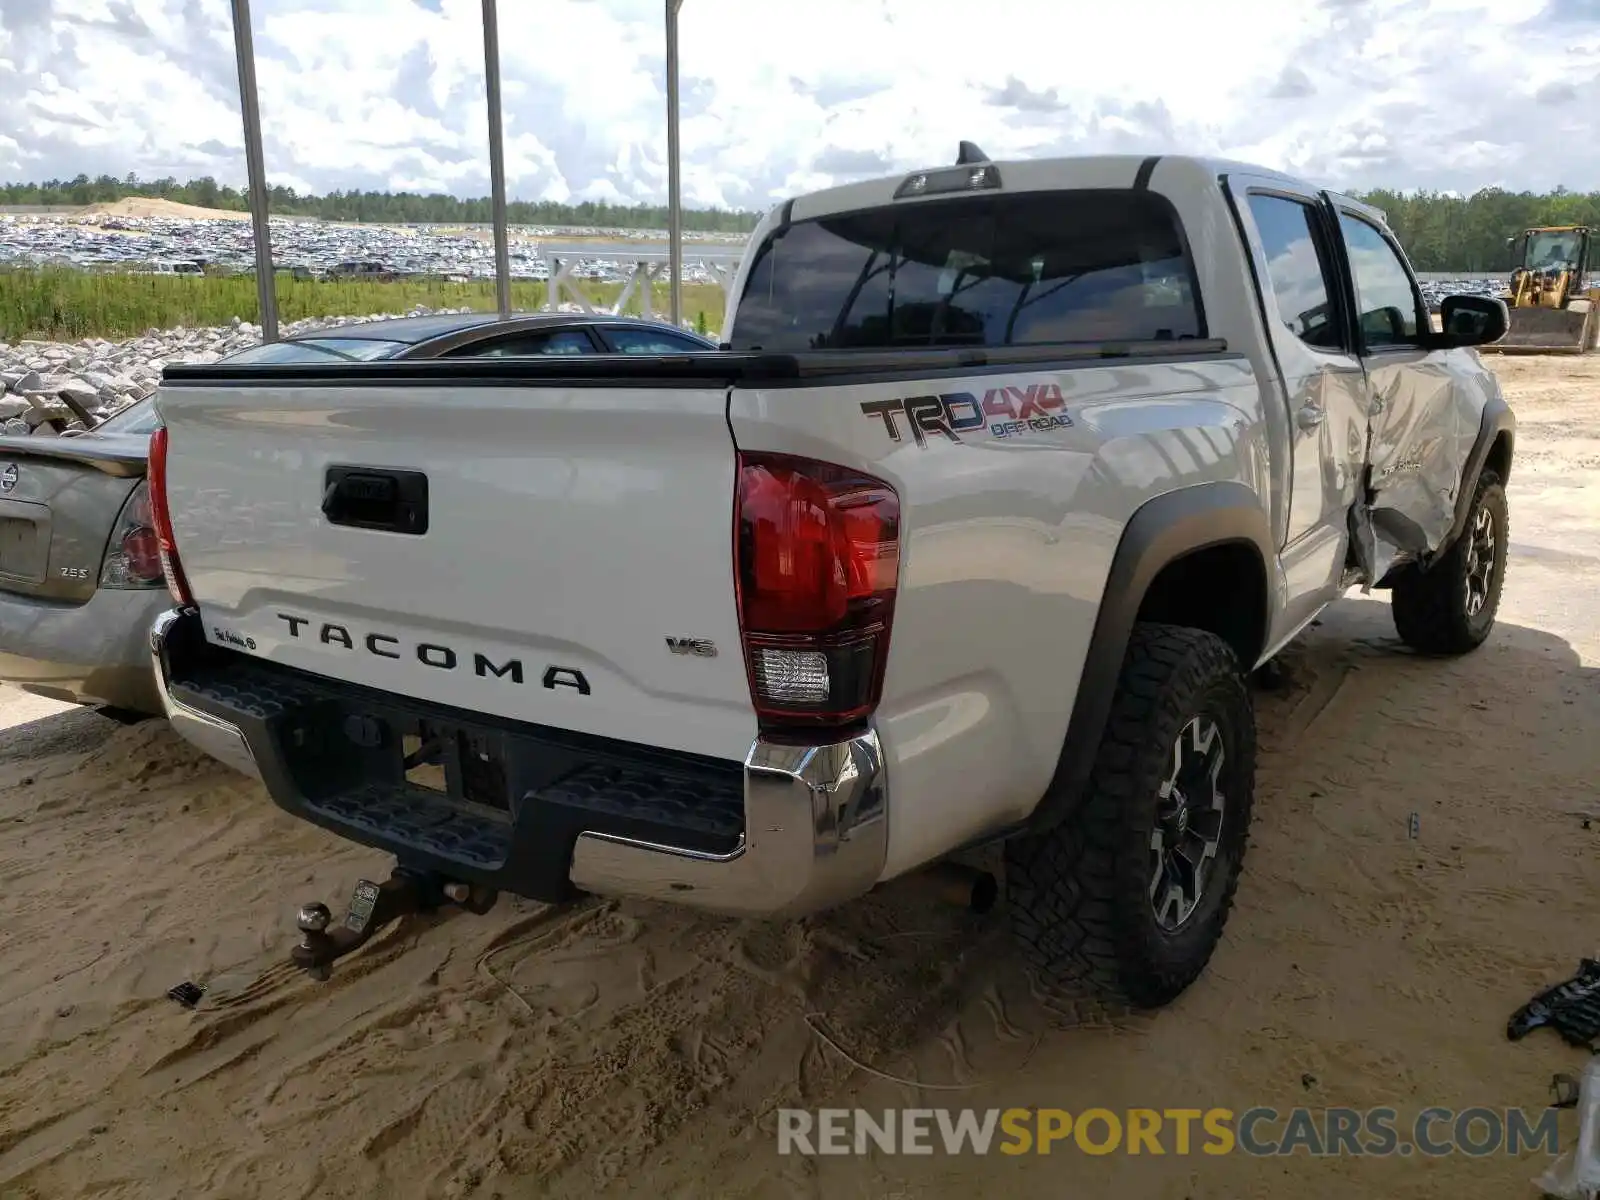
point(674, 194)
point(266, 282)
point(497, 160)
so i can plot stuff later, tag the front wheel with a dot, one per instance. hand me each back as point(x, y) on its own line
point(1128, 896)
point(1450, 608)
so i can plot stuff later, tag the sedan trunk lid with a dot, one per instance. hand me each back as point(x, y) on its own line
point(59, 501)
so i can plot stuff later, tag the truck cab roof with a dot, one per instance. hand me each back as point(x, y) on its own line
point(1044, 174)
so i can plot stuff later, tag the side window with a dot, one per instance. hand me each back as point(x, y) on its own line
point(1296, 269)
point(649, 341)
point(525, 345)
point(1385, 298)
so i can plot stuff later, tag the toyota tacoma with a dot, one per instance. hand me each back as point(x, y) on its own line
point(1005, 478)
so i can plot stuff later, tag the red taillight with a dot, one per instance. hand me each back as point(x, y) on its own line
point(142, 550)
point(818, 554)
point(133, 558)
point(161, 518)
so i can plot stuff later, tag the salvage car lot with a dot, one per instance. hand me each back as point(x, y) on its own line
point(619, 1048)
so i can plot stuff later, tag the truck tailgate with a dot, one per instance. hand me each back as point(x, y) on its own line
point(572, 534)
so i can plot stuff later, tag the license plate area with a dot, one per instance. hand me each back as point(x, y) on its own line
point(24, 538)
point(456, 762)
point(497, 791)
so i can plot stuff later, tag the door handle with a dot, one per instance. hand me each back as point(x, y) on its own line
point(377, 499)
point(1310, 417)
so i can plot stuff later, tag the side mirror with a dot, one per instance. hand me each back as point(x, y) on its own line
point(1471, 321)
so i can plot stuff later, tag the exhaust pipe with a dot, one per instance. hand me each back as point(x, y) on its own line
point(962, 886)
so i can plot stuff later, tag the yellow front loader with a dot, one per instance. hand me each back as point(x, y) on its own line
point(1551, 311)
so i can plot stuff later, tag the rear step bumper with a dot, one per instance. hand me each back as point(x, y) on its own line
point(537, 812)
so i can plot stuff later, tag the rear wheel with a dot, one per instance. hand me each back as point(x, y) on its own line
point(1450, 608)
point(1127, 898)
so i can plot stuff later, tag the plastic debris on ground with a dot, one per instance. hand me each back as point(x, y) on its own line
point(187, 994)
point(1572, 1008)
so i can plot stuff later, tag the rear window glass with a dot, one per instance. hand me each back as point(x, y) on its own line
point(651, 341)
point(308, 350)
point(1031, 269)
point(138, 417)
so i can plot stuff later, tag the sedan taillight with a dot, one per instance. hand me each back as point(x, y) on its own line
point(133, 555)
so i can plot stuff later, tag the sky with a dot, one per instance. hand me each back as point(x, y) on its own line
point(782, 98)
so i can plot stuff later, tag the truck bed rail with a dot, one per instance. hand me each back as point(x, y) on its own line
point(685, 370)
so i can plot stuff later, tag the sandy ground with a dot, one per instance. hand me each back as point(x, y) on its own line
point(618, 1049)
point(172, 210)
point(151, 206)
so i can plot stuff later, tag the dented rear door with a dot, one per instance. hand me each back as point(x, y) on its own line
point(1425, 404)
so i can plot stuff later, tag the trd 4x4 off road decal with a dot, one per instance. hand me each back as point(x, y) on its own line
point(1004, 411)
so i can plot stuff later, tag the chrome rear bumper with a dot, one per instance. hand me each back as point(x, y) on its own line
point(222, 741)
point(815, 816)
point(816, 835)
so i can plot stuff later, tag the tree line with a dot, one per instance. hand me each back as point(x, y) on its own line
point(390, 208)
point(1468, 234)
point(1439, 232)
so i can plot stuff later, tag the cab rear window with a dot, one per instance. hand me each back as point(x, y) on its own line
point(1037, 268)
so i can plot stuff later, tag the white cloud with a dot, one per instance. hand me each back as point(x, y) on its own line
point(1447, 94)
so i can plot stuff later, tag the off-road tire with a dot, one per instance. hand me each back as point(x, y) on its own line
point(1078, 895)
point(1431, 608)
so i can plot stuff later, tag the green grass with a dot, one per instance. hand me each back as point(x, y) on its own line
point(64, 305)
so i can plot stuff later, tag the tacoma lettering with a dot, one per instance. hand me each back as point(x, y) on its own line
point(372, 644)
point(437, 656)
point(482, 666)
point(433, 654)
point(566, 677)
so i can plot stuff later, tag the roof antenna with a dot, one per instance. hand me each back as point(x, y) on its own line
point(969, 153)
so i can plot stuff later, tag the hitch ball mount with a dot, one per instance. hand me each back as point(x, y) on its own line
point(374, 905)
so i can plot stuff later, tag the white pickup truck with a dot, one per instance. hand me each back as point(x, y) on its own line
point(1007, 476)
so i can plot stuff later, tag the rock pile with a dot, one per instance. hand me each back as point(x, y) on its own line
point(66, 387)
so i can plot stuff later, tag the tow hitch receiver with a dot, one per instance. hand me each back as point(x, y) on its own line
point(374, 905)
